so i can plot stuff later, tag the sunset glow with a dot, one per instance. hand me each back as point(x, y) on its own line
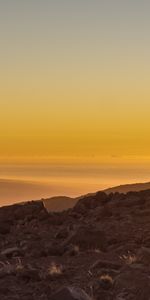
point(75, 93)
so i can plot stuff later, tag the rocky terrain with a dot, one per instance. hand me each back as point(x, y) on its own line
point(101, 246)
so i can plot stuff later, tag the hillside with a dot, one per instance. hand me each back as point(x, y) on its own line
point(61, 203)
point(129, 187)
point(16, 191)
point(102, 246)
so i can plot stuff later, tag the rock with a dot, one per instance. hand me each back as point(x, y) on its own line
point(9, 252)
point(105, 282)
point(90, 202)
point(62, 234)
point(88, 238)
point(29, 274)
point(134, 283)
point(54, 250)
point(98, 248)
point(105, 264)
point(131, 199)
point(70, 293)
point(143, 255)
point(4, 228)
point(101, 294)
point(72, 250)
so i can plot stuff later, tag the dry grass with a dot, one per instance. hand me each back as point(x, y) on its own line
point(76, 249)
point(7, 268)
point(106, 278)
point(55, 270)
point(129, 259)
point(97, 251)
point(19, 265)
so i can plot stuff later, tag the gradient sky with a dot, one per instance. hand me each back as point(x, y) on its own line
point(75, 79)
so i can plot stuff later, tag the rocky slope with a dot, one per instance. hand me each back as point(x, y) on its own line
point(102, 246)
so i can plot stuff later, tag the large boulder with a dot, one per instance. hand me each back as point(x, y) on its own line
point(143, 255)
point(132, 284)
point(10, 252)
point(88, 238)
point(4, 228)
point(91, 202)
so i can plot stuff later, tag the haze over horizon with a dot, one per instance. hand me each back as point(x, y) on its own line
point(46, 178)
point(74, 94)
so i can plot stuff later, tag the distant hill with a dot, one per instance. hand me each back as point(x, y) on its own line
point(59, 203)
point(129, 188)
point(13, 191)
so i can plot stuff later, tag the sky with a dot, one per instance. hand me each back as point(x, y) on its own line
point(75, 88)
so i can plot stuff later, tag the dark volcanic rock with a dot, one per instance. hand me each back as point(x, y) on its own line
point(132, 284)
point(4, 228)
point(70, 293)
point(91, 202)
point(143, 255)
point(105, 264)
point(102, 246)
point(9, 252)
point(88, 238)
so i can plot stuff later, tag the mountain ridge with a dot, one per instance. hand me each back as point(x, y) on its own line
point(121, 189)
point(12, 190)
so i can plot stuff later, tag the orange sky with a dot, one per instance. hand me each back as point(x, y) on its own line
point(75, 85)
